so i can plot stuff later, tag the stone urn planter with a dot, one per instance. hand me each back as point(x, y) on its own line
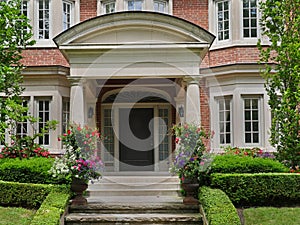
point(79, 186)
point(190, 187)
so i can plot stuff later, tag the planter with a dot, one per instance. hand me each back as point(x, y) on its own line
point(191, 189)
point(79, 186)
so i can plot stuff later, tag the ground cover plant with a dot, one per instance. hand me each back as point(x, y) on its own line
point(12, 215)
point(272, 216)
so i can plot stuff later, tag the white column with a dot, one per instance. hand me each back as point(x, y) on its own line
point(193, 102)
point(77, 104)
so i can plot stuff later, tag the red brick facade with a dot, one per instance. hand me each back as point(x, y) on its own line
point(88, 9)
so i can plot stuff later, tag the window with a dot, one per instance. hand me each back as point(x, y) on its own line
point(65, 115)
point(223, 26)
point(160, 6)
point(67, 14)
point(109, 7)
point(225, 120)
point(135, 5)
point(251, 120)
point(250, 18)
point(109, 133)
point(24, 8)
point(163, 133)
point(44, 19)
point(22, 127)
point(44, 116)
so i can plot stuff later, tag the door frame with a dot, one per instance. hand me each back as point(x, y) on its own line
point(115, 123)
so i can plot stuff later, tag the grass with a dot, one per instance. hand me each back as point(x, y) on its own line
point(272, 216)
point(13, 216)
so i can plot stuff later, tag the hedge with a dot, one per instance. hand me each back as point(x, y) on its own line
point(32, 170)
point(51, 210)
point(259, 189)
point(50, 200)
point(217, 207)
point(21, 194)
point(246, 164)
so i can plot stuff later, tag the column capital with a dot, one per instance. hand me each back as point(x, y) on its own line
point(76, 81)
point(192, 79)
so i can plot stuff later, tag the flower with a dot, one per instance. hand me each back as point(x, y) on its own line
point(189, 151)
point(80, 160)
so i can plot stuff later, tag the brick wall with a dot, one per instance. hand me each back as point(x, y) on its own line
point(88, 9)
point(195, 11)
point(43, 57)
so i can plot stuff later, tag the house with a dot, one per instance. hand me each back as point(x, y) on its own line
point(132, 68)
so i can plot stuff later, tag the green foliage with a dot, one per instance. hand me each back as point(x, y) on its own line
point(21, 194)
point(189, 151)
point(14, 215)
point(281, 24)
point(259, 189)
point(32, 170)
point(51, 210)
point(239, 164)
point(15, 36)
point(217, 207)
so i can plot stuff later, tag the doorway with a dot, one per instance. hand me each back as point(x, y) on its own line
point(136, 139)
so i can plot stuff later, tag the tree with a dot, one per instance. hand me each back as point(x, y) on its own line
point(280, 22)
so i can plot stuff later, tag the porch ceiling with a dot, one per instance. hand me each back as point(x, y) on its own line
point(125, 43)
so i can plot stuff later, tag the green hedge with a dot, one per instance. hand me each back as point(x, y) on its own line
point(246, 164)
point(217, 207)
point(52, 208)
point(21, 194)
point(32, 170)
point(259, 189)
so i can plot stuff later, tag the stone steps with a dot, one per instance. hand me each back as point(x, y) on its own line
point(134, 214)
point(134, 200)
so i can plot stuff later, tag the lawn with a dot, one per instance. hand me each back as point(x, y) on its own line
point(272, 216)
point(13, 216)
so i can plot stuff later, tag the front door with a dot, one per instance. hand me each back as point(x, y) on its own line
point(136, 139)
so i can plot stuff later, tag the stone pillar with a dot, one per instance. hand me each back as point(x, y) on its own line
point(77, 106)
point(192, 105)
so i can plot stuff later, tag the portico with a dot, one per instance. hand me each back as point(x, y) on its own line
point(130, 72)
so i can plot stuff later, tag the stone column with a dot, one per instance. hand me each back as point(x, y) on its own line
point(192, 105)
point(77, 106)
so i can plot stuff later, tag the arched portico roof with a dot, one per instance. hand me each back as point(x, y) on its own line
point(148, 23)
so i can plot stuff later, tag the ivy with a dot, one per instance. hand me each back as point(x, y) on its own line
point(280, 22)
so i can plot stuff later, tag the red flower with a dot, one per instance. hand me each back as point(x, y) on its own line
point(79, 128)
point(59, 139)
point(245, 153)
point(177, 140)
point(87, 136)
point(69, 132)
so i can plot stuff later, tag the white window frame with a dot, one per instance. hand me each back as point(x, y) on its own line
point(37, 100)
point(166, 6)
point(71, 14)
point(104, 4)
point(257, 21)
point(65, 114)
point(143, 5)
point(27, 7)
point(38, 19)
point(25, 124)
point(260, 121)
point(224, 98)
point(217, 20)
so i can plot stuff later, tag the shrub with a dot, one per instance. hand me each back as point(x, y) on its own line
point(32, 170)
point(52, 208)
point(259, 189)
point(217, 207)
point(25, 195)
point(239, 164)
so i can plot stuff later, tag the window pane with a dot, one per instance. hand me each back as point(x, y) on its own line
point(222, 140)
point(253, 33)
point(255, 126)
point(248, 126)
point(248, 138)
point(254, 115)
point(255, 138)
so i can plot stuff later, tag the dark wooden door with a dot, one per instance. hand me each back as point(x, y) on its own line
point(136, 151)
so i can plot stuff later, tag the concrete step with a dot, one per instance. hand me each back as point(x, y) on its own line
point(109, 186)
point(140, 208)
point(133, 219)
point(139, 179)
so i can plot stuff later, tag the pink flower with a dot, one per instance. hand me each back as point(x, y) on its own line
point(177, 140)
point(79, 128)
point(87, 136)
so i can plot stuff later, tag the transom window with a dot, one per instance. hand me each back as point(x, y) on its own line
point(67, 14)
point(223, 20)
point(135, 5)
point(225, 121)
point(44, 19)
point(251, 120)
point(250, 18)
